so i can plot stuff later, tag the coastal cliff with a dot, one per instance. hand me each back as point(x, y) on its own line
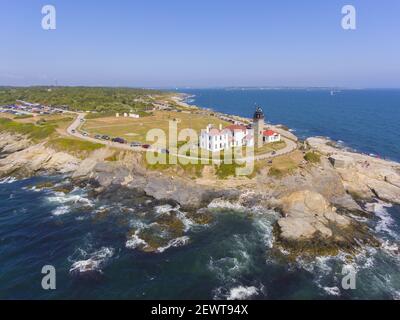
point(317, 200)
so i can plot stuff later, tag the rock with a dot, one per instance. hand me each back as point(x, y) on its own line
point(37, 158)
point(185, 192)
point(308, 213)
point(312, 226)
point(385, 191)
point(202, 216)
point(10, 143)
point(363, 176)
point(341, 161)
point(88, 165)
point(393, 179)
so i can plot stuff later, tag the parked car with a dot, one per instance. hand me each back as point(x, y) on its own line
point(273, 153)
point(136, 144)
point(104, 137)
point(118, 140)
point(85, 134)
point(165, 151)
point(146, 146)
point(97, 136)
point(73, 131)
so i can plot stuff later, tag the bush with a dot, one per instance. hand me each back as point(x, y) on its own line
point(74, 146)
point(275, 172)
point(35, 132)
point(24, 116)
point(313, 157)
point(224, 170)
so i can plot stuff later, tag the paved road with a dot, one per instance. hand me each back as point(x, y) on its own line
point(74, 131)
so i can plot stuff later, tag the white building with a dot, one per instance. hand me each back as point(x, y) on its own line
point(271, 136)
point(238, 135)
point(213, 139)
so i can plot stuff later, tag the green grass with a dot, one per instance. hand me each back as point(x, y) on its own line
point(224, 171)
point(194, 170)
point(74, 146)
point(24, 116)
point(35, 132)
point(282, 166)
point(276, 173)
point(312, 157)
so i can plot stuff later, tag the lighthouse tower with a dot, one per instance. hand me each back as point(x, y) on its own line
point(258, 126)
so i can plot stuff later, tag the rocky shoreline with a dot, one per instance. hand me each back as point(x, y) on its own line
point(317, 201)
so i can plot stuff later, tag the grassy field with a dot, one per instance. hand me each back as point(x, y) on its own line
point(269, 147)
point(286, 164)
point(74, 146)
point(32, 130)
point(136, 129)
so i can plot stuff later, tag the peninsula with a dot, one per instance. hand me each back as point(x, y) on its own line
point(97, 137)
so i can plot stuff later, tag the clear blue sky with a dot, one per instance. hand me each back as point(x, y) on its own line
point(200, 43)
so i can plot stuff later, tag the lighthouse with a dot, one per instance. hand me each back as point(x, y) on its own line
point(258, 126)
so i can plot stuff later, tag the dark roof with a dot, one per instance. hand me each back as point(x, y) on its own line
point(259, 114)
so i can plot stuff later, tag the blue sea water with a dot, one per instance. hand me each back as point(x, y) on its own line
point(230, 258)
point(365, 120)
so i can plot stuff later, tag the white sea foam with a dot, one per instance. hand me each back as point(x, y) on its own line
point(386, 221)
point(225, 204)
point(188, 224)
point(135, 241)
point(62, 198)
point(177, 242)
point(334, 291)
point(59, 211)
point(391, 248)
point(242, 293)
point(95, 261)
point(8, 180)
point(264, 226)
point(166, 208)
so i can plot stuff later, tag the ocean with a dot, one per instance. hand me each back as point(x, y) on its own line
point(367, 121)
point(230, 257)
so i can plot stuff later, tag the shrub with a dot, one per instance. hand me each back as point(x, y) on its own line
point(224, 170)
point(35, 132)
point(275, 172)
point(312, 157)
point(74, 146)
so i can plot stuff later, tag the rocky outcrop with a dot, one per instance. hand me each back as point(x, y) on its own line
point(10, 143)
point(161, 187)
point(362, 176)
point(37, 158)
point(307, 214)
point(311, 225)
point(322, 179)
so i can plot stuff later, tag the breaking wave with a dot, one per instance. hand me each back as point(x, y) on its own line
point(94, 263)
point(386, 222)
point(8, 180)
point(242, 293)
point(177, 242)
